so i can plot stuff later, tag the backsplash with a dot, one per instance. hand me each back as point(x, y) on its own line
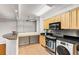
point(78, 33)
point(66, 32)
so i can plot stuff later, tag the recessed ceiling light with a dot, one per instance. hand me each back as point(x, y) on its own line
point(42, 10)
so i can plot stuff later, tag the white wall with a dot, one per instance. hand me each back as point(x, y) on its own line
point(7, 27)
point(28, 26)
point(38, 26)
point(41, 25)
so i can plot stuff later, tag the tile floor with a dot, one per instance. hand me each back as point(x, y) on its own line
point(33, 49)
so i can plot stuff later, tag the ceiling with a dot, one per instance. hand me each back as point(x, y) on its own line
point(11, 11)
point(8, 11)
point(29, 8)
point(26, 10)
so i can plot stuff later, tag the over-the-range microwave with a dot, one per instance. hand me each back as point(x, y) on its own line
point(55, 26)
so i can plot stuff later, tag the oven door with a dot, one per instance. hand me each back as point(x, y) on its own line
point(51, 44)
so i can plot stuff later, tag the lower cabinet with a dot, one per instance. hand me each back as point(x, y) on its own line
point(28, 40)
point(42, 40)
point(33, 39)
point(2, 49)
point(23, 40)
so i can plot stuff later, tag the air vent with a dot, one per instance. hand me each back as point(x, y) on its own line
point(32, 18)
point(50, 5)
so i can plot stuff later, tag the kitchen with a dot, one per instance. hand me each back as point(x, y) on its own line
point(39, 29)
point(58, 32)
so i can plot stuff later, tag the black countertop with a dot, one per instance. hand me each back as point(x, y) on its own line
point(70, 39)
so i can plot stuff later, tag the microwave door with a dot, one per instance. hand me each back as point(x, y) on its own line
point(55, 26)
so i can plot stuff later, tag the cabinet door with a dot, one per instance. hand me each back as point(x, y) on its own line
point(23, 40)
point(42, 40)
point(63, 21)
point(73, 19)
point(57, 19)
point(47, 22)
point(77, 18)
point(2, 49)
point(67, 18)
point(33, 39)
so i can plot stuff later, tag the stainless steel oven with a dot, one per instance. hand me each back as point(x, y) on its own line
point(51, 42)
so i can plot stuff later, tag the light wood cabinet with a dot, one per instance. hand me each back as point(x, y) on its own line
point(69, 20)
point(42, 40)
point(73, 19)
point(56, 19)
point(63, 21)
point(65, 17)
point(2, 49)
point(77, 18)
point(46, 23)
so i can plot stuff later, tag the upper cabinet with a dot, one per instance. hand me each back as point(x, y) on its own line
point(77, 18)
point(69, 20)
point(73, 19)
point(63, 21)
point(56, 19)
point(65, 17)
point(46, 23)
